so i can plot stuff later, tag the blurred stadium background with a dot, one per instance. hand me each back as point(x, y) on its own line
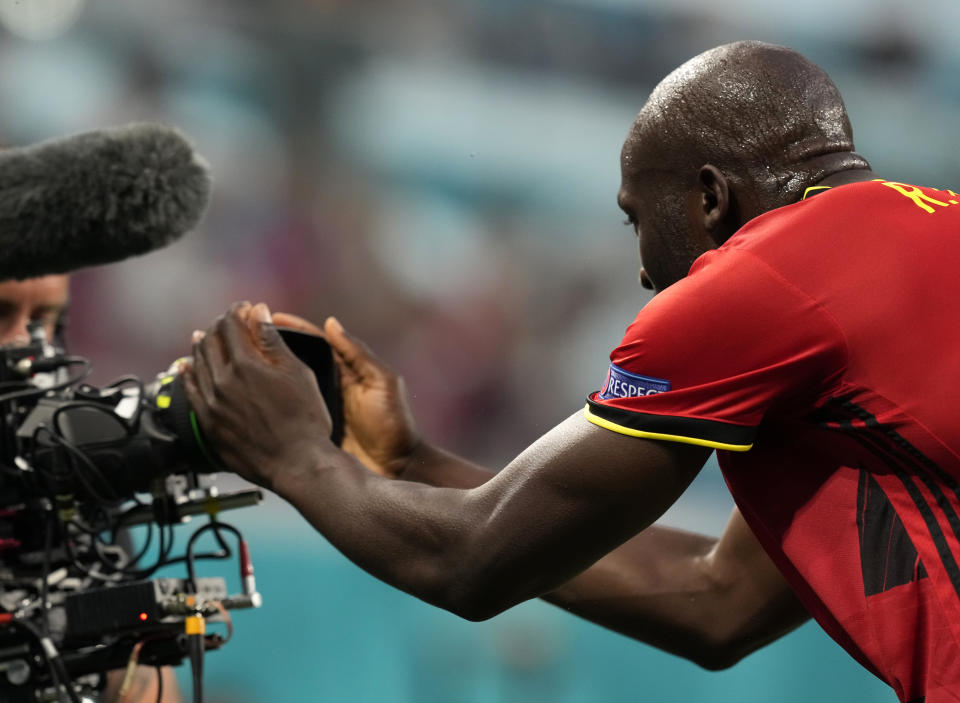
point(441, 174)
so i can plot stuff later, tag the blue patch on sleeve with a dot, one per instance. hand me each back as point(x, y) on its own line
point(623, 384)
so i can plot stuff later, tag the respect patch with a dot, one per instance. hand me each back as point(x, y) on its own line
point(623, 384)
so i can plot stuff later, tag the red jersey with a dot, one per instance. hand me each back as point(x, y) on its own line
point(818, 351)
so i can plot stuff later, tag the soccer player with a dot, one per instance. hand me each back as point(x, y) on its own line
point(46, 299)
point(805, 328)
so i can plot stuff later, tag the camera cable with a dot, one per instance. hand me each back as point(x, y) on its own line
point(58, 672)
point(39, 392)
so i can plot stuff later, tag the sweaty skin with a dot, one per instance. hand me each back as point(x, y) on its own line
point(733, 133)
point(475, 552)
point(710, 600)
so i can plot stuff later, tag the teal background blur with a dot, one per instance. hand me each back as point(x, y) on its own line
point(329, 632)
point(441, 174)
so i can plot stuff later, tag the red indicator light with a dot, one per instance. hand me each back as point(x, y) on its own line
point(143, 617)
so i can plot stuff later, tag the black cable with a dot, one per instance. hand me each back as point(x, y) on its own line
point(9, 470)
point(77, 564)
point(105, 409)
point(62, 677)
point(38, 640)
point(38, 468)
point(119, 525)
point(16, 384)
point(67, 684)
point(99, 545)
point(83, 528)
point(45, 575)
point(134, 560)
point(224, 547)
point(212, 525)
point(195, 650)
point(37, 392)
point(128, 378)
point(165, 527)
point(202, 556)
point(121, 520)
point(159, 685)
point(141, 393)
point(224, 553)
point(77, 454)
point(163, 558)
point(58, 672)
point(163, 552)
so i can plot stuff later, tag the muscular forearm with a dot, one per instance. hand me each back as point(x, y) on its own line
point(529, 529)
point(664, 587)
point(437, 467)
point(437, 540)
point(657, 588)
point(406, 546)
point(654, 588)
point(437, 543)
point(710, 600)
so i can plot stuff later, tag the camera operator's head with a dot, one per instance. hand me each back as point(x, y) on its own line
point(42, 299)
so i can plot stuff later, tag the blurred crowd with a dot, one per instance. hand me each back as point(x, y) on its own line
point(440, 174)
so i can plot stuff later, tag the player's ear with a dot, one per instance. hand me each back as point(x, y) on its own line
point(715, 203)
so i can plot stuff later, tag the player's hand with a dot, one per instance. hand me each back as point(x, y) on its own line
point(257, 404)
point(379, 428)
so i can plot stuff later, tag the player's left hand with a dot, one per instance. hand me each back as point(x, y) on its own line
point(258, 405)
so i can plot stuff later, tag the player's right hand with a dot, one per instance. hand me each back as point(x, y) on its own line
point(379, 428)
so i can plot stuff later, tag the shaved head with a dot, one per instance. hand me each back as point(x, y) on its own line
point(759, 112)
point(734, 132)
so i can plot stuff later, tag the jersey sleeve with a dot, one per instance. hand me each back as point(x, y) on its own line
point(712, 355)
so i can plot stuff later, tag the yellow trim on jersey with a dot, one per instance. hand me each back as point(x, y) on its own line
point(620, 429)
point(813, 188)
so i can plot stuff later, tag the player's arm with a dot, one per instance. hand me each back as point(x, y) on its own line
point(707, 599)
point(710, 600)
point(713, 601)
point(569, 499)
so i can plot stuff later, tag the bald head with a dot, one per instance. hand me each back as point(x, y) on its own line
point(762, 114)
point(732, 133)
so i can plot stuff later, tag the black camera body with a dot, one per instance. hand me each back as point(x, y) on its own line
point(79, 466)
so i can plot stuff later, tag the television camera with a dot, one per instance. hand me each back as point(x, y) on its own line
point(80, 466)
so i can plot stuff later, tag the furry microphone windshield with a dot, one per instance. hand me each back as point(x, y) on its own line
point(97, 197)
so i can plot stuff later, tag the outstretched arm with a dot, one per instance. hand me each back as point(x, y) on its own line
point(707, 599)
point(710, 600)
point(572, 497)
point(713, 601)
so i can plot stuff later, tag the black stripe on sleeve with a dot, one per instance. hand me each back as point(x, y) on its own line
point(708, 433)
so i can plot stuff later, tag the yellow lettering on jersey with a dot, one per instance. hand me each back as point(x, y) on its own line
point(919, 198)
